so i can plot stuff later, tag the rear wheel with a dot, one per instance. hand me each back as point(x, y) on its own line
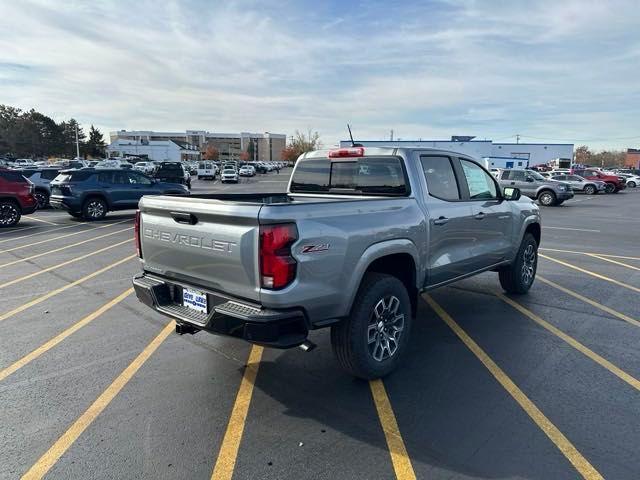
point(518, 277)
point(547, 198)
point(42, 198)
point(590, 189)
point(370, 343)
point(94, 209)
point(610, 188)
point(9, 213)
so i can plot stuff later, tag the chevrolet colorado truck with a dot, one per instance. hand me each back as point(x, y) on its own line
point(358, 235)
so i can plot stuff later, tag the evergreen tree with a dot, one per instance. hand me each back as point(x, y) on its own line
point(95, 145)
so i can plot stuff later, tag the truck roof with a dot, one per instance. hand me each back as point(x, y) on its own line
point(380, 151)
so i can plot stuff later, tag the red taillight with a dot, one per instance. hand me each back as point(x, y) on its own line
point(277, 266)
point(347, 152)
point(136, 233)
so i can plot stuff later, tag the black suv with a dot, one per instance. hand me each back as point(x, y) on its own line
point(173, 172)
point(91, 193)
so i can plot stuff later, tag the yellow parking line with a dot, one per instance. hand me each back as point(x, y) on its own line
point(571, 453)
point(68, 262)
point(593, 274)
point(226, 462)
point(61, 336)
point(604, 363)
point(589, 253)
point(60, 237)
point(26, 259)
point(13, 239)
point(43, 221)
point(597, 305)
point(41, 299)
point(600, 257)
point(399, 457)
point(51, 457)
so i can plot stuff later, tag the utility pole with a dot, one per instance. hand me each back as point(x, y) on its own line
point(77, 143)
point(391, 136)
point(518, 138)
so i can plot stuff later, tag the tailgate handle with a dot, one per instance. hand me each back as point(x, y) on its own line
point(186, 218)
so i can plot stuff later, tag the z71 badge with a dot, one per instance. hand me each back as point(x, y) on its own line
point(315, 248)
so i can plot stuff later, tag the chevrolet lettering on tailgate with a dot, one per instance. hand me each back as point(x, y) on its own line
point(189, 240)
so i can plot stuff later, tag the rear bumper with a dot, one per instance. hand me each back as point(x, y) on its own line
point(226, 316)
point(65, 203)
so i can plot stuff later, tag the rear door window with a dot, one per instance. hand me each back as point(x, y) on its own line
point(364, 176)
point(441, 179)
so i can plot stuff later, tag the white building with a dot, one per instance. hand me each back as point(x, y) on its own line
point(267, 146)
point(531, 153)
point(158, 150)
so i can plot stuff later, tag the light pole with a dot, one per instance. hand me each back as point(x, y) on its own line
point(77, 144)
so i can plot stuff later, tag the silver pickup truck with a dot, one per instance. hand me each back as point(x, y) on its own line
point(360, 232)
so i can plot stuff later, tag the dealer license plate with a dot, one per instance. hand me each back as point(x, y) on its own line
point(194, 300)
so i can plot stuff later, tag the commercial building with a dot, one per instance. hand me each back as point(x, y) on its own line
point(632, 158)
point(158, 150)
point(266, 146)
point(499, 155)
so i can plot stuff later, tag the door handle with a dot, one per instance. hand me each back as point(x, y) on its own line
point(479, 216)
point(186, 218)
point(513, 183)
point(441, 221)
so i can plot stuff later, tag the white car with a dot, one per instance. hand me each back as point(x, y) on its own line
point(207, 170)
point(145, 167)
point(229, 175)
point(632, 181)
point(113, 164)
point(247, 171)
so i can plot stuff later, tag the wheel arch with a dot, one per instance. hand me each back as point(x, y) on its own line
point(398, 258)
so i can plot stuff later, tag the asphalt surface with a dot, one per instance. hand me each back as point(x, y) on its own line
point(544, 388)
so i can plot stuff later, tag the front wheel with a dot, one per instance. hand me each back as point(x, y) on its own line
point(631, 184)
point(518, 277)
point(590, 189)
point(547, 198)
point(371, 342)
point(9, 213)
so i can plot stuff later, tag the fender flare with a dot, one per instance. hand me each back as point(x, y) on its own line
point(375, 252)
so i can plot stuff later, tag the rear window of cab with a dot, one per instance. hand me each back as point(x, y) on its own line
point(383, 176)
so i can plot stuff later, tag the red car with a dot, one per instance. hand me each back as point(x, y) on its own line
point(614, 182)
point(16, 197)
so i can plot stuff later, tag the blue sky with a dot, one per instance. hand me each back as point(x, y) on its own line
point(548, 70)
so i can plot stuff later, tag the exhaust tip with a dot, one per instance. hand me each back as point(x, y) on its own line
point(307, 346)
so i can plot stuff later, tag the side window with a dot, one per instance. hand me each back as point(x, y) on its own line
point(105, 177)
point(49, 174)
point(505, 174)
point(441, 180)
point(518, 176)
point(481, 185)
point(120, 178)
point(561, 177)
point(138, 179)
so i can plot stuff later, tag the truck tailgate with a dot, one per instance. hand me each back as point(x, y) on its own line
point(205, 242)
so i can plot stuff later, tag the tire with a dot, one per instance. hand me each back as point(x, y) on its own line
point(9, 213)
point(519, 276)
point(631, 184)
point(43, 199)
point(610, 188)
point(199, 177)
point(358, 341)
point(547, 198)
point(94, 209)
point(590, 190)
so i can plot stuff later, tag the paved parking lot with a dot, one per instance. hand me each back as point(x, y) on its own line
point(544, 386)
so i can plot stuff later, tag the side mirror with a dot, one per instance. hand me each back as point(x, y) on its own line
point(511, 194)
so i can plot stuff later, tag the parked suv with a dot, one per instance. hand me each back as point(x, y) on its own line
point(91, 193)
point(535, 186)
point(614, 183)
point(173, 172)
point(581, 184)
point(16, 197)
point(41, 179)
